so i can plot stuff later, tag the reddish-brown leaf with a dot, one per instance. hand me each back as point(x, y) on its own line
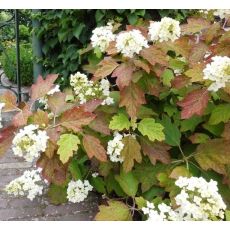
point(179, 82)
point(10, 101)
point(75, 118)
point(40, 118)
point(94, 148)
point(42, 87)
point(21, 118)
point(107, 66)
point(54, 133)
point(180, 46)
point(226, 133)
point(101, 123)
point(132, 97)
point(195, 25)
point(52, 169)
point(211, 32)
point(57, 103)
point(90, 106)
point(112, 50)
point(50, 149)
point(197, 53)
point(154, 55)
point(123, 73)
point(6, 137)
point(156, 151)
point(142, 65)
point(194, 103)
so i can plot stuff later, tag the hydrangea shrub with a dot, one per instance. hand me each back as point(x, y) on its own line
point(146, 125)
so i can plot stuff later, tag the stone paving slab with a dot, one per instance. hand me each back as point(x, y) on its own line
point(22, 209)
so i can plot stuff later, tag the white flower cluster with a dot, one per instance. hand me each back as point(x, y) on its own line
point(30, 184)
point(1, 107)
point(77, 191)
point(86, 90)
point(30, 142)
point(95, 174)
point(44, 100)
point(130, 43)
point(222, 13)
point(198, 200)
point(114, 148)
point(167, 29)
point(102, 36)
point(218, 71)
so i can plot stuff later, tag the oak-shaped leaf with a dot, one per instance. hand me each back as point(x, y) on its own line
point(197, 53)
point(114, 211)
point(154, 55)
point(195, 25)
point(196, 73)
point(10, 101)
point(214, 154)
point(194, 103)
point(156, 151)
point(153, 130)
point(132, 97)
point(124, 74)
point(131, 152)
point(107, 66)
point(57, 103)
point(6, 137)
point(94, 148)
point(53, 169)
point(101, 123)
point(21, 118)
point(75, 118)
point(141, 64)
point(42, 86)
point(40, 118)
point(119, 122)
point(68, 144)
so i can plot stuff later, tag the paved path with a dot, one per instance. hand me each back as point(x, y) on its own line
point(12, 208)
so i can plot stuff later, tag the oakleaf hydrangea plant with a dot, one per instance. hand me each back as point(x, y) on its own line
point(145, 123)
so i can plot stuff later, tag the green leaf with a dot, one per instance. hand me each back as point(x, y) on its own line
point(132, 18)
point(227, 214)
point(146, 174)
point(77, 31)
point(57, 194)
point(217, 130)
point(190, 124)
point(98, 184)
point(128, 183)
point(115, 211)
point(75, 170)
point(150, 128)
point(140, 201)
point(167, 77)
point(172, 133)
point(119, 122)
point(68, 143)
point(219, 114)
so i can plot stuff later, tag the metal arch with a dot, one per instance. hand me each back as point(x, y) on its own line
point(13, 20)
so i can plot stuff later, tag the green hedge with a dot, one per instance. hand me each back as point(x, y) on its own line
point(65, 32)
point(8, 62)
